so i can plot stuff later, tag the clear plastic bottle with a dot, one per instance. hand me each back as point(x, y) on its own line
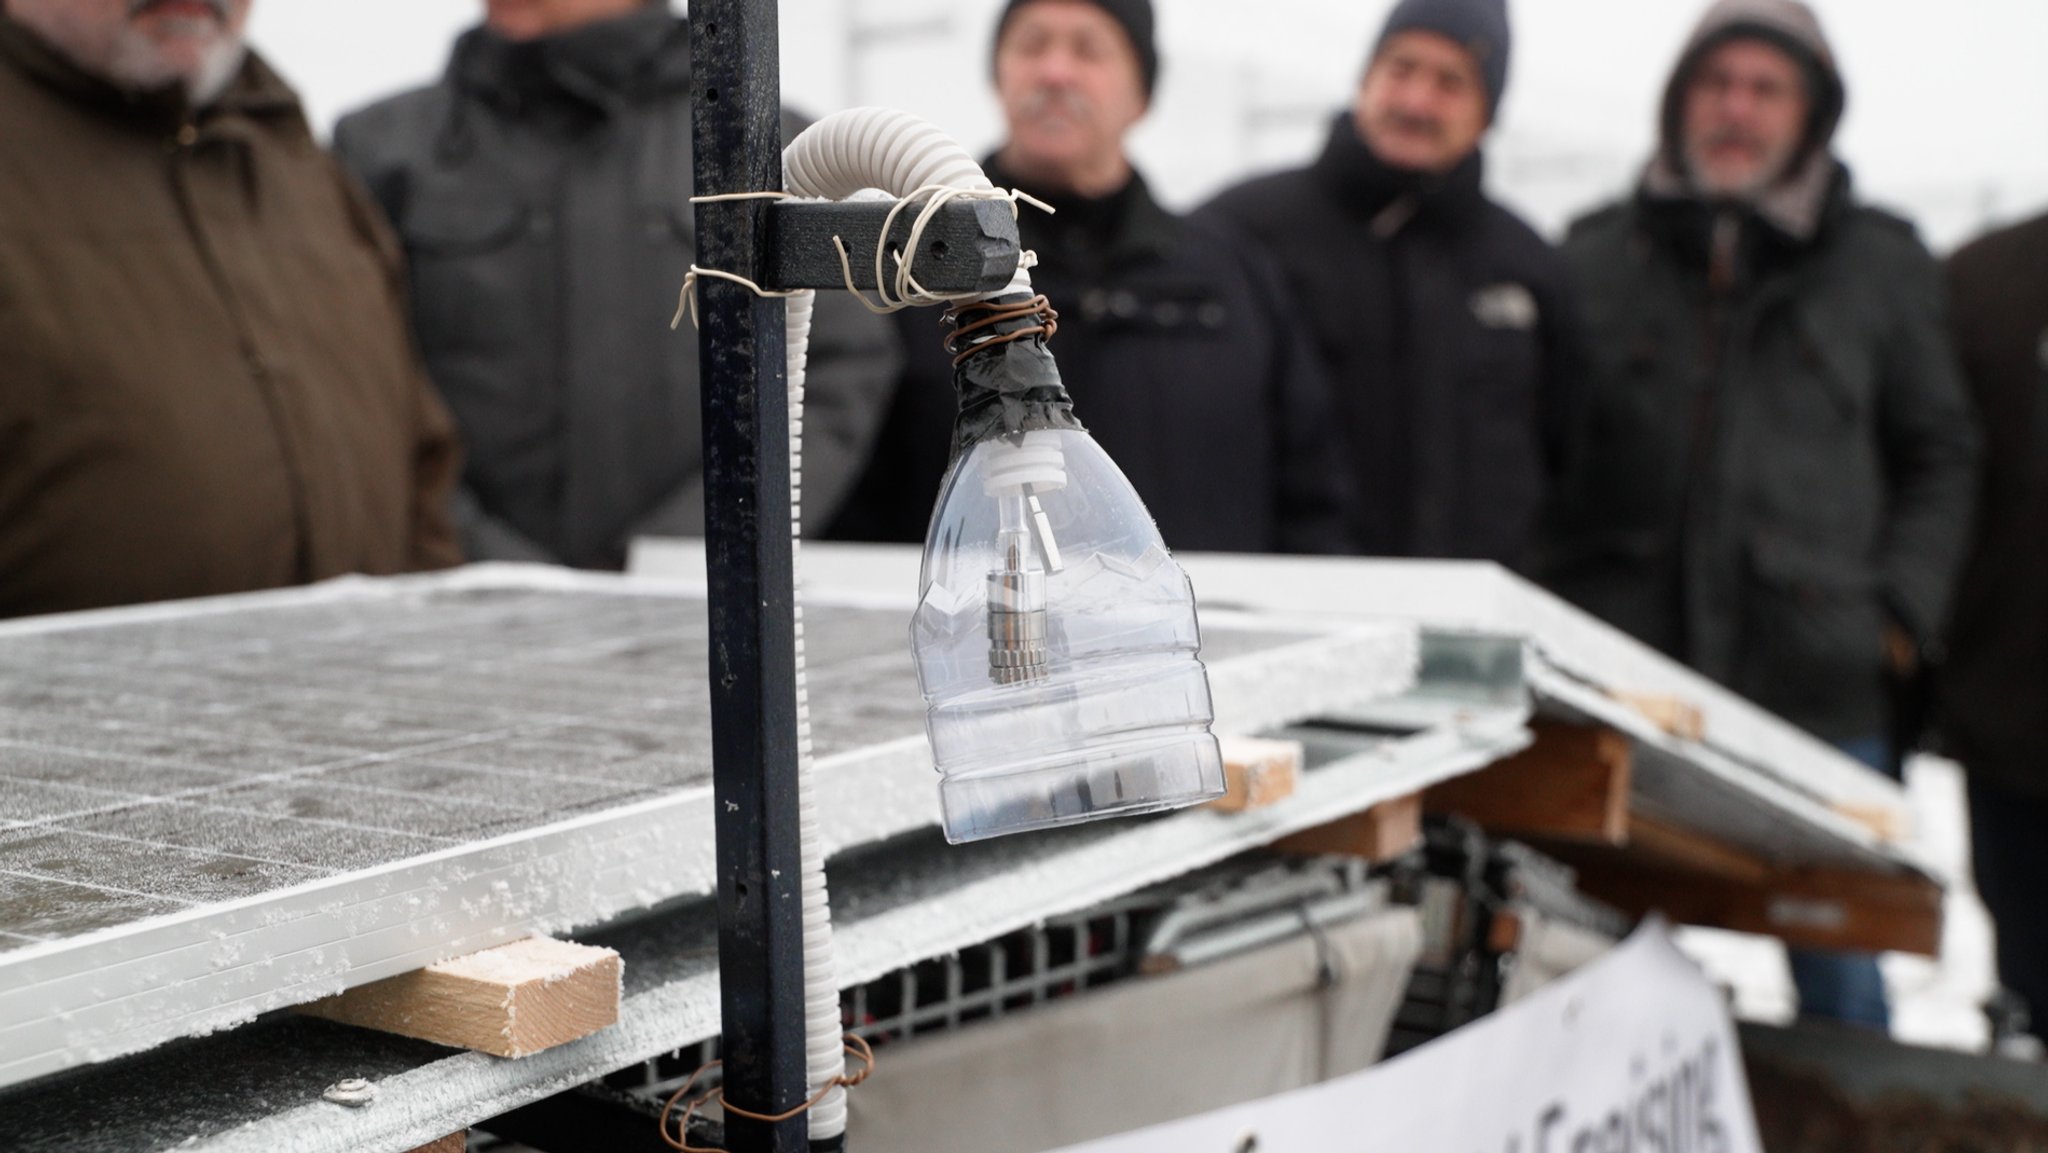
point(1056, 645)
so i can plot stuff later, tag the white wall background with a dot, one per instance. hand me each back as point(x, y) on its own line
point(1948, 103)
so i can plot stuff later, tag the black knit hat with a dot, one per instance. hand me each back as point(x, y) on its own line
point(1134, 15)
point(1481, 26)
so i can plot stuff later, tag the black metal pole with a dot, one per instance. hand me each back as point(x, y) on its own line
point(737, 141)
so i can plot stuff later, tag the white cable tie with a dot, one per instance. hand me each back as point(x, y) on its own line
point(687, 302)
point(724, 196)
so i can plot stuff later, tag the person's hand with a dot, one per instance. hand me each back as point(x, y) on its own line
point(1901, 651)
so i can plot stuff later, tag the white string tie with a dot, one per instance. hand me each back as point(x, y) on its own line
point(898, 290)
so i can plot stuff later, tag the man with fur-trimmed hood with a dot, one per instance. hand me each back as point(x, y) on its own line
point(1778, 464)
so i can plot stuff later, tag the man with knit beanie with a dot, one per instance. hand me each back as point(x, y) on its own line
point(1176, 338)
point(1779, 459)
point(1444, 318)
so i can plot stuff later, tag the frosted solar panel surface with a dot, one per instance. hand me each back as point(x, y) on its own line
point(154, 766)
point(209, 810)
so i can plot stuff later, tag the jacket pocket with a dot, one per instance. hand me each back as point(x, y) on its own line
point(1814, 626)
point(457, 227)
point(478, 284)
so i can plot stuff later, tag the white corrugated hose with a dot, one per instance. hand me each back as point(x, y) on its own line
point(845, 153)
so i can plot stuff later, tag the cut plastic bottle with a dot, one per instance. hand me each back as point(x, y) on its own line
point(1056, 645)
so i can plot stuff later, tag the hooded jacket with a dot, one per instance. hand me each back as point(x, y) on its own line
point(1445, 323)
point(206, 382)
point(542, 190)
point(1184, 360)
point(1779, 454)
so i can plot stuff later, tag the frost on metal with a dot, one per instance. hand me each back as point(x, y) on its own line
point(1752, 777)
point(213, 809)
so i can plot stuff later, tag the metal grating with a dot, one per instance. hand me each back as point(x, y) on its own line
point(1013, 973)
point(1056, 959)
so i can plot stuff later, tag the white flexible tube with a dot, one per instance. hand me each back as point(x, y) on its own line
point(838, 156)
point(824, 1058)
point(882, 148)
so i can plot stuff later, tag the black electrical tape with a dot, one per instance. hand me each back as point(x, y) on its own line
point(1008, 388)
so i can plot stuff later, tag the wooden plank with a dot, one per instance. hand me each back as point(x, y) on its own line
point(1572, 784)
point(512, 1001)
point(452, 1143)
point(1816, 908)
point(1381, 833)
point(1664, 842)
point(1257, 772)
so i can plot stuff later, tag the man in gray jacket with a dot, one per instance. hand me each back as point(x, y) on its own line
point(542, 188)
point(1778, 472)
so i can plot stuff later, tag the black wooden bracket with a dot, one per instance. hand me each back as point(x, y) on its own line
point(967, 245)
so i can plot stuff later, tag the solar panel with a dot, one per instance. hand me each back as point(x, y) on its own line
point(213, 809)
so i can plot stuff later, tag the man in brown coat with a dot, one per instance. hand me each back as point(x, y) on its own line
point(1995, 688)
point(206, 383)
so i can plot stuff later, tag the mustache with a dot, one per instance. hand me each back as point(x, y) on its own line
point(1732, 137)
point(219, 8)
point(1040, 101)
point(1411, 124)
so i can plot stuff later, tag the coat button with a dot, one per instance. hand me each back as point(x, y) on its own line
point(188, 135)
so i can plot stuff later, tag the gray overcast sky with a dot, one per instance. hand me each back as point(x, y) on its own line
point(1948, 103)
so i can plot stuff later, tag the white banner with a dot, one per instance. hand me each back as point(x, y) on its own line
point(1632, 1054)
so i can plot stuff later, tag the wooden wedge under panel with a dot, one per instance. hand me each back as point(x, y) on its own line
point(1380, 833)
point(452, 1143)
point(513, 1000)
point(1257, 772)
point(1893, 823)
point(1572, 784)
point(1680, 718)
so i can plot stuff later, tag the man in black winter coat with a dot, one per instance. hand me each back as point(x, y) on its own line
point(1444, 317)
point(1176, 338)
point(1995, 685)
point(1779, 461)
point(542, 191)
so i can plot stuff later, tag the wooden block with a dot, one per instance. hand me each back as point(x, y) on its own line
point(452, 1143)
point(1572, 784)
point(1380, 833)
point(513, 1000)
point(1893, 823)
point(1257, 772)
point(1504, 933)
point(1676, 716)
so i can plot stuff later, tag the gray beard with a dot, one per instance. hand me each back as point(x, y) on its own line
point(134, 61)
point(214, 76)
